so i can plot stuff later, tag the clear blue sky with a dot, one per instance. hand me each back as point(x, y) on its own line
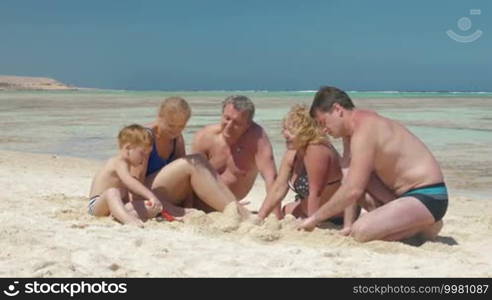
point(262, 45)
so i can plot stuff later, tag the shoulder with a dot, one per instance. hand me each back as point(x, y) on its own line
point(364, 118)
point(319, 148)
point(205, 137)
point(255, 127)
point(257, 132)
point(208, 131)
point(368, 132)
point(319, 151)
point(366, 124)
point(257, 136)
point(115, 163)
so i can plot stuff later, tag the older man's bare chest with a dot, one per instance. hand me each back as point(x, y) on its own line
point(238, 160)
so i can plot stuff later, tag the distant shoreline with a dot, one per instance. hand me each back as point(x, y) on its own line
point(28, 83)
point(24, 83)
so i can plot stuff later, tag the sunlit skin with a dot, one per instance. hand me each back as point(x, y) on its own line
point(385, 160)
point(113, 182)
point(166, 128)
point(238, 149)
point(234, 124)
point(171, 126)
point(292, 142)
point(290, 138)
point(137, 155)
point(297, 160)
point(332, 123)
point(187, 179)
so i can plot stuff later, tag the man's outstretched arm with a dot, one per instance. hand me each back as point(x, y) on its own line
point(363, 149)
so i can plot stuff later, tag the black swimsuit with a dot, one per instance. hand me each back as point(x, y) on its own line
point(301, 184)
point(434, 197)
point(301, 188)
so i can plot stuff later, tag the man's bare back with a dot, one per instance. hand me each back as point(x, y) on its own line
point(401, 160)
point(407, 192)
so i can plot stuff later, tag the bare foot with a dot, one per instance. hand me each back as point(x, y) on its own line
point(431, 232)
point(129, 219)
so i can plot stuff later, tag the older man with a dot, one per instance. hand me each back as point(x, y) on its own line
point(404, 180)
point(238, 148)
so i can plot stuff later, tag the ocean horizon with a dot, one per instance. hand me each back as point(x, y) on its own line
point(266, 93)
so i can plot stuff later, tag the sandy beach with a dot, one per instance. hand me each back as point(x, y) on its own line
point(73, 74)
point(46, 232)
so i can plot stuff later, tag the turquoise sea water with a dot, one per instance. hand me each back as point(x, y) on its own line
point(457, 127)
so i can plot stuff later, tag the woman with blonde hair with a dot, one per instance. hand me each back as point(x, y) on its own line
point(174, 177)
point(310, 168)
point(172, 117)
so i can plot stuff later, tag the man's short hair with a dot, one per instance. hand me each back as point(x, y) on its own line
point(135, 135)
point(327, 96)
point(240, 103)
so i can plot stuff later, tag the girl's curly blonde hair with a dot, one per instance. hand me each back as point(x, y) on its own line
point(306, 129)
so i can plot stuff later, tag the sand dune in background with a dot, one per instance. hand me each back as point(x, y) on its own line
point(32, 83)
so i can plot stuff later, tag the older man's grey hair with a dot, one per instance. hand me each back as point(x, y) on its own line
point(240, 103)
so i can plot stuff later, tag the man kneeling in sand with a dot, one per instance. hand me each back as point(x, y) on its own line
point(238, 148)
point(111, 185)
point(402, 177)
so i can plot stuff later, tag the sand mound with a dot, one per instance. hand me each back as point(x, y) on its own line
point(230, 221)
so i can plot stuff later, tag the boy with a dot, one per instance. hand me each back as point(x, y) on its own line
point(112, 184)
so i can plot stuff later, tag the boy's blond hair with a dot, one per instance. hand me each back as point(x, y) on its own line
point(299, 122)
point(173, 106)
point(135, 135)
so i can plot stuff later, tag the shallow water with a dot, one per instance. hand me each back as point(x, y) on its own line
point(457, 127)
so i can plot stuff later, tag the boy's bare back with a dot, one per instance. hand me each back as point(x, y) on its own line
point(107, 177)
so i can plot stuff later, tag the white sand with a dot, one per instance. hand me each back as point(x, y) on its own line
point(46, 232)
